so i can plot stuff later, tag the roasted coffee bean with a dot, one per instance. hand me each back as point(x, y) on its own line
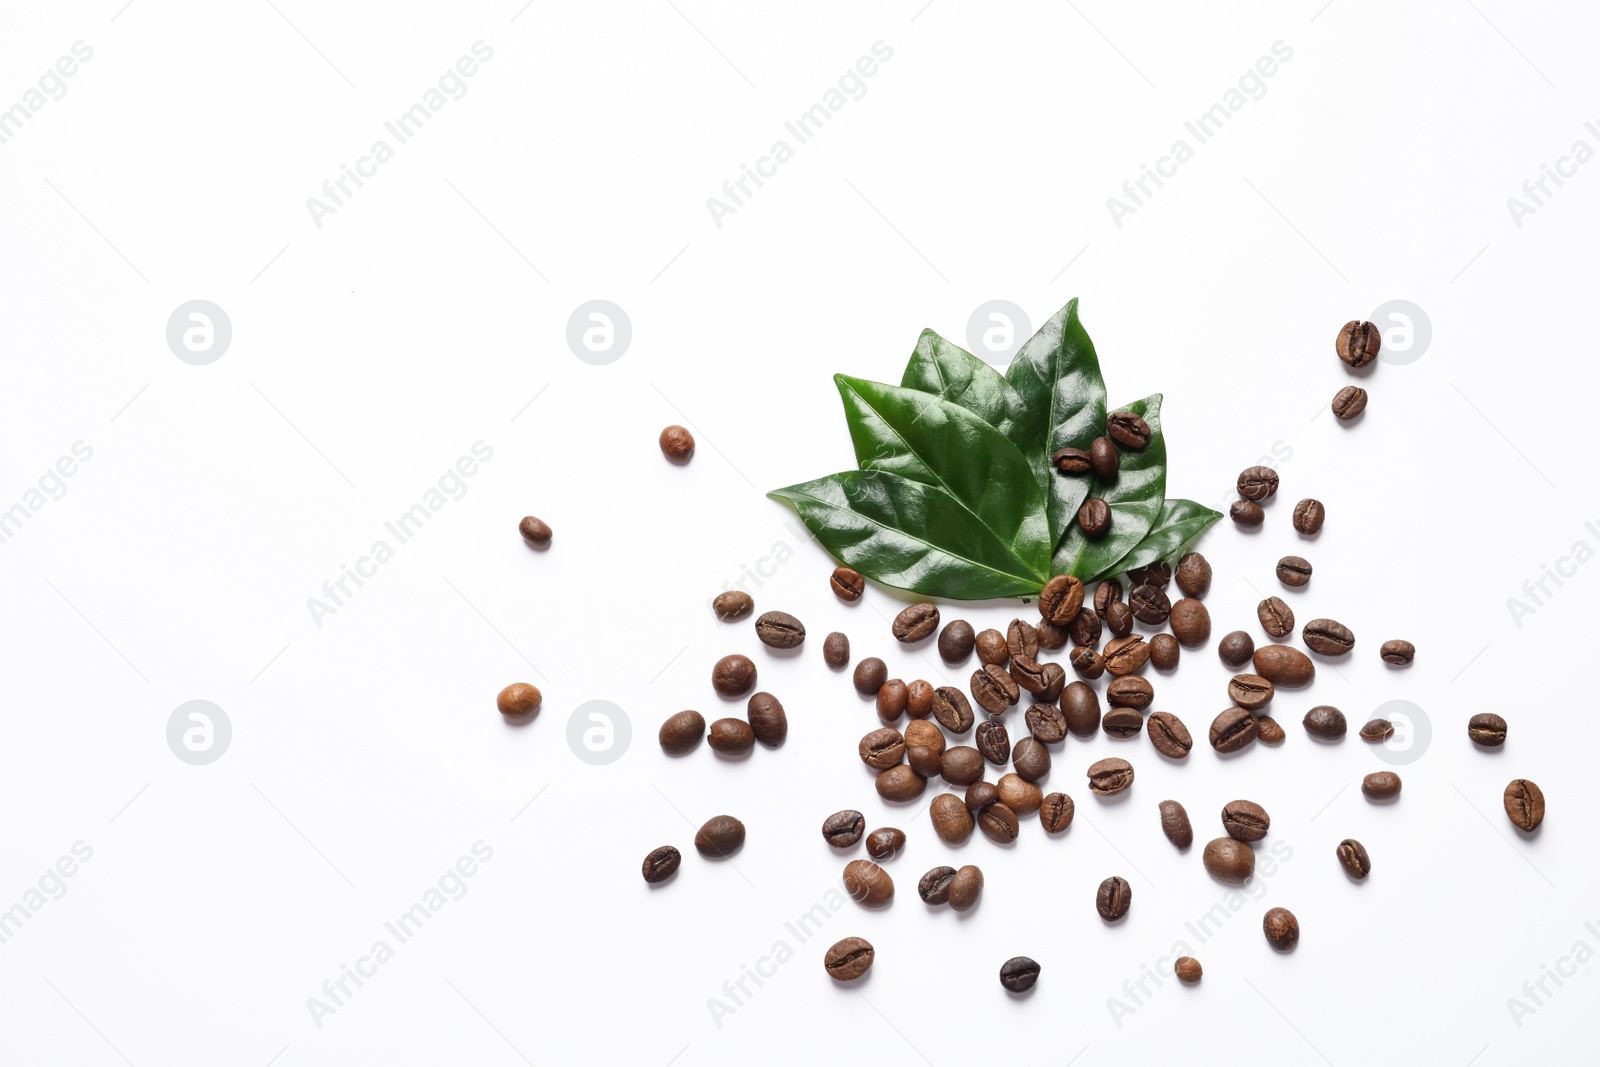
point(952, 709)
point(885, 843)
point(1257, 483)
point(1046, 723)
point(1019, 794)
point(1149, 604)
point(925, 761)
point(915, 623)
point(1327, 637)
point(1061, 599)
point(1106, 593)
point(1169, 735)
point(1487, 729)
point(1282, 929)
point(1018, 974)
point(1245, 820)
point(1122, 722)
point(836, 651)
point(1235, 648)
point(1268, 732)
point(1118, 618)
point(871, 673)
point(994, 690)
point(1072, 462)
point(1081, 706)
point(1358, 342)
point(677, 444)
point(1157, 574)
point(1105, 459)
point(994, 744)
point(1128, 429)
point(733, 676)
point(952, 822)
point(1229, 860)
point(1354, 859)
point(1233, 730)
point(848, 959)
point(1022, 640)
point(882, 748)
point(682, 732)
point(868, 884)
point(900, 784)
point(980, 795)
point(767, 719)
point(965, 888)
point(1324, 722)
point(893, 696)
point(1294, 571)
point(661, 864)
point(1349, 402)
point(1164, 651)
point(1094, 518)
point(934, 888)
point(925, 734)
point(731, 737)
point(847, 584)
point(535, 531)
point(1193, 575)
point(1308, 516)
point(1084, 630)
point(1284, 667)
point(721, 835)
point(992, 648)
point(1187, 968)
point(734, 604)
point(1113, 899)
point(1246, 514)
point(1277, 618)
point(1055, 680)
point(1191, 622)
point(1398, 653)
point(1381, 785)
point(843, 829)
point(519, 701)
point(1175, 824)
point(1524, 804)
point(919, 699)
point(1377, 731)
point(1126, 655)
point(999, 823)
point(957, 641)
point(961, 765)
point(1055, 638)
point(1030, 759)
point(1130, 691)
point(1029, 674)
point(1108, 777)
point(1055, 812)
point(1250, 691)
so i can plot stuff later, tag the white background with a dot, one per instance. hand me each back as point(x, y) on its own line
point(371, 352)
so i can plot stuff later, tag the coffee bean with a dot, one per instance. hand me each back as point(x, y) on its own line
point(1029, 674)
point(1233, 730)
point(1325, 723)
point(1284, 667)
point(925, 761)
point(767, 719)
point(1257, 483)
point(843, 829)
point(1282, 929)
point(870, 675)
point(1118, 618)
point(1106, 593)
point(1105, 459)
point(1164, 651)
point(1030, 759)
point(1169, 735)
point(1019, 794)
point(1072, 462)
point(952, 710)
point(1084, 629)
point(1055, 812)
point(721, 835)
point(1245, 820)
point(994, 690)
point(836, 651)
point(1130, 691)
point(1358, 342)
point(1229, 860)
point(1149, 604)
point(1268, 732)
point(519, 701)
point(661, 864)
point(1113, 898)
point(849, 959)
point(952, 822)
point(1080, 704)
point(961, 765)
point(998, 823)
point(682, 732)
point(1022, 640)
point(965, 888)
point(994, 744)
point(919, 699)
point(1157, 574)
point(1487, 729)
point(1175, 824)
point(1308, 517)
point(915, 623)
point(1524, 804)
point(925, 734)
point(1235, 648)
point(1054, 638)
point(731, 737)
point(1094, 518)
point(1377, 731)
point(1193, 575)
point(1060, 600)
point(1187, 968)
point(1326, 637)
point(677, 444)
point(733, 676)
point(885, 843)
point(732, 605)
point(992, 648)
point(1246, 515)
point(980, 795)
point(1128, 429)
point(1191, 622)
point(893, 696)
point(956, 641)
point(535, 531)
point(1108, 777)
point(934, 887)
point(882, 748)
point(1349, 402)
point(868, 884)
point(847, 584)
point(1250, 691)
point(1276, 617)
point(1018, 974)
point(1055, 679)
point(1126, 655)
point(1122, 722)
point(1294, 571)
point(1353, 858)
point(1046, 723)
point(900, 784)
point(1381, 785)
point(1398, 653)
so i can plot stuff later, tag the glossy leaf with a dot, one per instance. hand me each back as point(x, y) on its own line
point(1176, 529)
point(909, 535)
point(949, 371)
point(1135, 496)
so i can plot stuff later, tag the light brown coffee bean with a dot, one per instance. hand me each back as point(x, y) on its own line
point(915, 623)
point(836, 651)
point(1268, 732)
point(919, 699)
point(732, 605)
point(1277, 618)
point(847, 584)
point(1358, 342)
point(1193, 575)
point(1061, 599)
point(885, 843)
point(1294, 571)
point(1164, 652)
point(519, 702)
point(1175, 824)
point(1245, 820)
point(868, 884)
point(952, 822)
point(848, 959)
point(925, 734)
point(1126, 655)
point(961, 765)
point(1081, 706)
point(1019, 794)
point(1524, 804)
point(1284, 667)
point(900, 784)
point(731, 737)
point(1130, 691)
point(1349, 402)
point(1354, 859)
point(1169, 735)
point(1309, 515)
point(536, 532)
point(1108, 777)
point(882, 748)
point(1122, 722)
point(1191, 622)
point(1055, 813)
point(893, 696)
point(1233, 730)
point(1229, 860)
point(966, 888)
point(870, 675)
point(1398, 653)
point(951, 709)
point(1250, 691)
point(1030, 759)
point(768, 719)
point(992, 648)
point(1022, 640)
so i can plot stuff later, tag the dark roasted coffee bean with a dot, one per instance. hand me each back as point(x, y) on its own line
point(1294, 571)
point(1061, 599)
point(1282, 929)
point(1164, 652)
point(1324, 722)
point(1169, 735)
point(843, 829)
point(1130, 692)
point(1072, 462)
point(1327, 637)
point(1257, 483)
point(1126, 655)
point(1191, 622)
point(1250, 691)
point(885, 843)
point(1019, 794)
point(925, 761)
point(1128, 429)
point(836, 651)
point(1193, 575)
point(994, 744)
point(535, 531)
point(994, 690)
point(1245, 820)
point(1053, 637)
point(1018, 974)
point(1029, 674)
point(1276, 617)
point(1349, 402)
point(661, 864)
point(1358, 342)
point(1046, 723)
point(1229, 860)
point(1175, 824)
point(919, 699)
point(1377, 731)
point(779, 629)
point(966, 887)
point(682, 733)
point(734, 604)
point(1085, 628)
point(893, 696)
point(1487, 729)
point(980, 795)
point(961, 765)
point(1233, 730)
point(957, 641)
point(1030, 759)
point(1246, 514)
point(1113, 898)
point(1268, 732)
point(1055, 813)
point(925, 734)
point(1118, 618)
point(915, 623)
point(1081, 706)
point(1308, 516)
point(1398, 653)
point(871, 673)
point(847, 584)
point(868, 884)
point(1354, 859)
point(848, 959)
point(999, 823)
point(1149, 604)
point(992, 648)
point(952, 822)
point(721, 835)
point(1108, 777)
point(1381, 785)
point(900, 784)
point(952, 709)
point(1157, 574)
point(731, 737)
point(1022, 640)
point(1235, 648)
point(1122, 722)
point(1524, 804)
point(1284, 667)
point(1105, 459)
point(733, 676)
point(677, 444)
point(934, 888)
point(1188, 970)
point(767, 719)
point(882, 748)
point(1106, 593)
point(1094, 518)
point(1055, 679)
